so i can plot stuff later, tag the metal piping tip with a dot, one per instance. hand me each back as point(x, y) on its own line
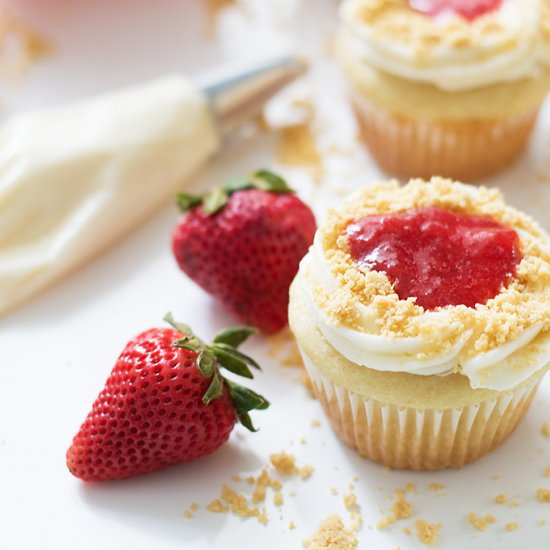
point(237, 96)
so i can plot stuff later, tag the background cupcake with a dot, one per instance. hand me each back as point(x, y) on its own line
point(423, 317)
point(444, 87)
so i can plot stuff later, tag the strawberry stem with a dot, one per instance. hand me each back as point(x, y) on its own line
point(218, 197)
point(223, 353)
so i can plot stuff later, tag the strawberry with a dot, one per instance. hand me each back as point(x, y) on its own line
point(242, 243)
point(469, 9)
point(165, 402)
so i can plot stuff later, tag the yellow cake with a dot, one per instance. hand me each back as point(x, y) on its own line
point(445, 94)
point(413, 387)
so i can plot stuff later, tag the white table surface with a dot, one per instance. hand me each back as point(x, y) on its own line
point(57, 351)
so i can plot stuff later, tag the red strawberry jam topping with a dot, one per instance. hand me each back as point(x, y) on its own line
point(469, 9)
point(440, 257)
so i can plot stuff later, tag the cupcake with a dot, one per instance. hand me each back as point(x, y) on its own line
point(423, 317)
point(443, 86)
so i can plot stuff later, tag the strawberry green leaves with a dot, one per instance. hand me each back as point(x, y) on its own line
point(216, 199)
point(246, 400)
point(223, 353)
point(234, 336)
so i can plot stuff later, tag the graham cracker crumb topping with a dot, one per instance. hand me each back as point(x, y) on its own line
point(543, 495)
point(396, 21)
point(366, 301)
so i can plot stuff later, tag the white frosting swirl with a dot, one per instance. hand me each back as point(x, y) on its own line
point(519, 50)
point(500, 369)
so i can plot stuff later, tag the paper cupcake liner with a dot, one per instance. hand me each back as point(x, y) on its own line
point(404, 437)
point(464, 151)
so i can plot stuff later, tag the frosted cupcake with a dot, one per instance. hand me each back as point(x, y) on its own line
point(423, 316)
point(446, 87)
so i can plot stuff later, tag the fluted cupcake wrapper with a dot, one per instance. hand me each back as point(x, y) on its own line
point(462, 150)
point(405, 437)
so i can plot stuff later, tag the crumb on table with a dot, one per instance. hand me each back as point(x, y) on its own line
point(481, 522)
point(188, 514)
point(427, 533)
point(332, 534)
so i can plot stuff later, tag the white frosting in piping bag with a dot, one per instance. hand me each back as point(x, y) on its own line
point(73, 180)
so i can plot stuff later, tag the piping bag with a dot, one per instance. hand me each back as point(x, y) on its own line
point(75, 179)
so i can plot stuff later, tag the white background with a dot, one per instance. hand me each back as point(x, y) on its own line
point(57, 351)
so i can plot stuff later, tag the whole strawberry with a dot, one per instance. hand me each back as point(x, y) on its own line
point(242, 243)
point(165, 402)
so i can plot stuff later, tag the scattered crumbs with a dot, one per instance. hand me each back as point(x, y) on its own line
point(351, 486)
point(385, 522)
point(238, 504)
point(545, 430)
point(263, 482)
point(387, 469)
point(543, 495)
point(292, 525)
point(352, 506)
point(512, 526)
point(332, 534)
point(303, 441)
point(542, 522)
point(402, 508)
point(305, 471)
point(298, 146)
point(513, 505)
point(355, 478)
point(501, 499)
point(278, 499)
point(547, 472)
point(436, 487)
point(333, 491)
point(217, 507)
point(410, 487)
point(356, 521)
point(481, 522)
point(315, 423)
point(496, 477)
point(188, 514)
point(284, 463)
point(426, 532)
point(350, 501)
point(236, 479)
point(406, 530)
